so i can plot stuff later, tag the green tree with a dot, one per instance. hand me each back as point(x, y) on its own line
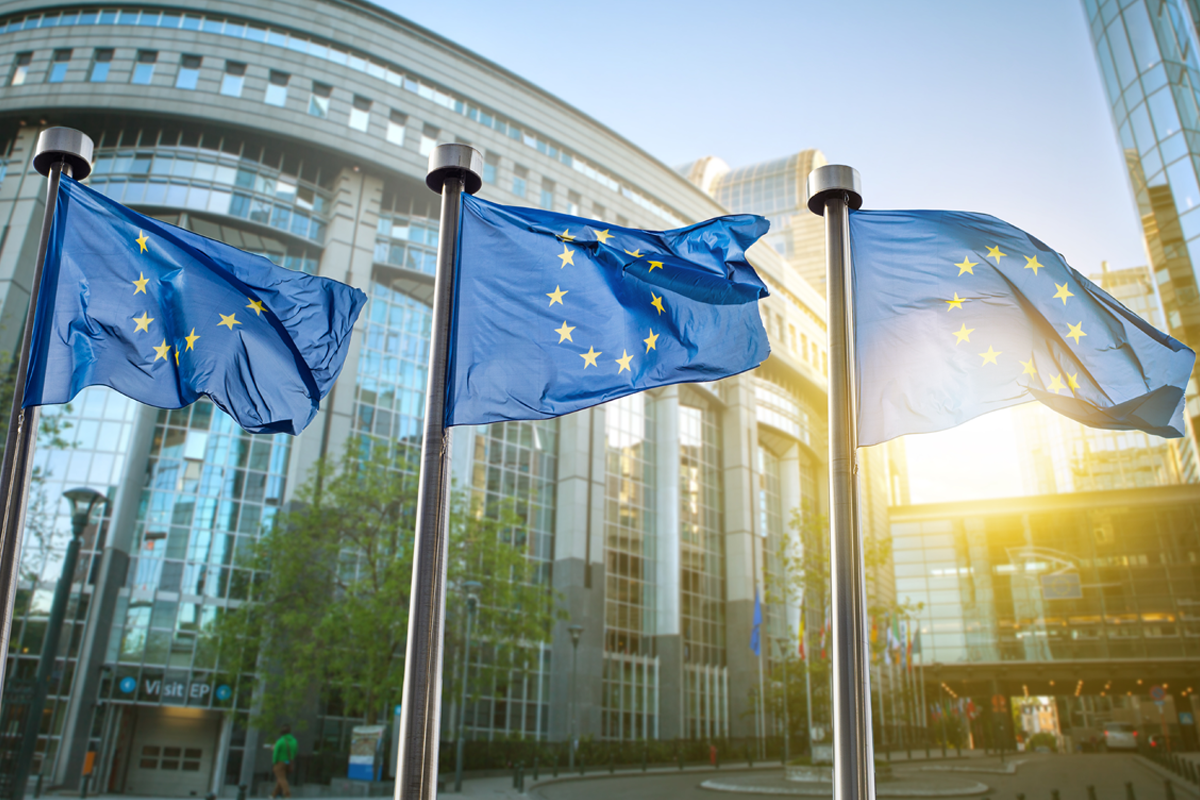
point(329, 608)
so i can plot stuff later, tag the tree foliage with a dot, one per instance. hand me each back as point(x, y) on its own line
point(329, 611)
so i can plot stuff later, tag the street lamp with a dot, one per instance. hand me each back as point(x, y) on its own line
point(576, 631)
point(470, 587)
point(83, 502)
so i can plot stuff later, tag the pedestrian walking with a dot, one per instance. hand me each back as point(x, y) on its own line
point(281, 761)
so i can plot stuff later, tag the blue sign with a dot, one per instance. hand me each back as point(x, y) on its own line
point(127, 685)
point(397, 709)
point(1186, 718)
point(1158, 693)
point(224, 692)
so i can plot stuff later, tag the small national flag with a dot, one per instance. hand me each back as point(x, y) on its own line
point(164, 315)
point(555, 313)
point(803, 657)
point(909, 653)
point(756, 631)
point(960, 314)
point(916, 643)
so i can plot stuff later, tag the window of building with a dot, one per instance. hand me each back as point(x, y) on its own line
point(101, 61)
point(360, 113)
point(58, 66)
point(520, 180)
point(491, 164)
point(234, 79)
point(804, 347)
point(143, 69)
point(189, 72)
point(599, 211)
point(318, 103)
point(397, 121)
point(621, 221)
point(574, 202)
point(429, 137)
point(277, 86)
point(546, 200)
point(20, 69)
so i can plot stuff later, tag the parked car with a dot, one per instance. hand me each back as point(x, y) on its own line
point(1120, 736)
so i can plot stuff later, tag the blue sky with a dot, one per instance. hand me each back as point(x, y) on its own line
point(980, 106)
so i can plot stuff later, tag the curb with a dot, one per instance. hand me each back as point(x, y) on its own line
point(881, 790)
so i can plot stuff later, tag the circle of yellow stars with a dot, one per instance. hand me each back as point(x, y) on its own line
point(163, 350)
point(991, 355)
point(591, 358)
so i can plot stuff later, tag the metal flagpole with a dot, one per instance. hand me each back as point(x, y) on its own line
point(833, 191)
point(59, 151)
point(807, 673)
point(453, 169)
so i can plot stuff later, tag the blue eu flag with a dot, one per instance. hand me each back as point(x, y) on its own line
point(756, 630)
point(960, 314)
point(164, 316)
point(554, 313)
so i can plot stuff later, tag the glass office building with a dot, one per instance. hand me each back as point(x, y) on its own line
point(301, 131)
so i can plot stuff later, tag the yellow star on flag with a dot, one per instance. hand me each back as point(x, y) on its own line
point(556, 296)
point(141, 240)
point(1032, 263)
point(989, 357)
point(624, 362)
point(564, 333)
point(956, 302)
point(1029, 368)
point(140, 283)
point(162, 350)
point(1056, 384)
point(566, 235)
point(256, 305)
point(1076, 332)
point(655, 265)
point(656, 302)
point(228, 321)
point(567, 255)
point(1072, 383)
point(589, 358)
point(994, 252)
point(963, 334)
point(635, 253)
point(143, 322)
point(191, 339)
point(603, 236)
point(1063, 293)
point(967, 265)
point(651, 340)
point(177, 357)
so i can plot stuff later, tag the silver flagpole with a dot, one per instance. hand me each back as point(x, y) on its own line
point(833, 191)
point(453, 169)
point(60, 151)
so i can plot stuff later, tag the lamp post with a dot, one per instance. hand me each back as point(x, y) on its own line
point(83, 502)
point(576, 631)
point(470, 587)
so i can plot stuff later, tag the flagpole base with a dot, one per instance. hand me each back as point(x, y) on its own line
point(833, 179)
point(55, 145)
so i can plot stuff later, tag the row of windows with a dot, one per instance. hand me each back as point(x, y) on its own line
point(273, 36)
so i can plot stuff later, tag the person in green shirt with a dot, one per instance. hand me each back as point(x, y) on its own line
point(282, 757)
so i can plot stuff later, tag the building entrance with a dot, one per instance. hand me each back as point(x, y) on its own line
point(172, 752)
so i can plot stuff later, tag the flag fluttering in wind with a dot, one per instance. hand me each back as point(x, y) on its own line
point(959, 314)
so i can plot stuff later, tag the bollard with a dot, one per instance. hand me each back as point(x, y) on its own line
point(750, 756)
point(943, 748)
point(645, 751)
point(1020, 796)
point(888, 752)
point(242, 791)
point(612, 763)
point(1192, 772)
point(83, 783)
point(1091, 792)
point(521, 777)
point(582, 771)
point(37, 787)
point(1054, 795)
point(717, 757)
point(681, 761)
point(535, 768)
point(516, 770)
point(1169, 788)
point(927, 749)
point(1129, 793)
point(556, 765)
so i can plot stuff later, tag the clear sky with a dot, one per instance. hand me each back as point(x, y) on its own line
point(961, 104)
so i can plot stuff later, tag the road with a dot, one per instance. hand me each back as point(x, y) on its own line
point(1035, 778)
